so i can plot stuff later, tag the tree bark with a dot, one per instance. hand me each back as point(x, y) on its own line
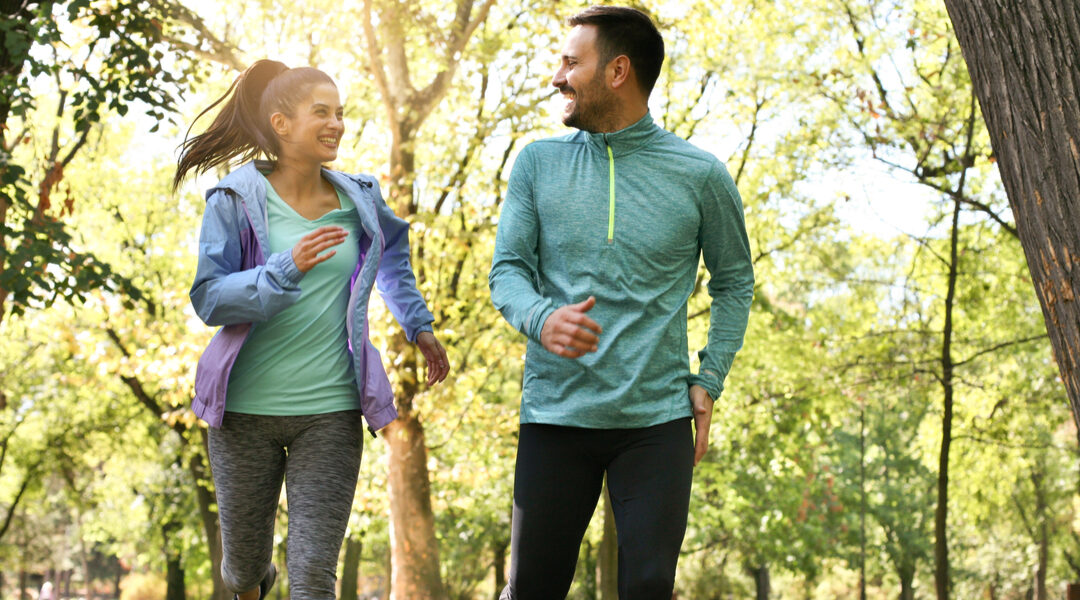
point(350, 571)
point(414, 545)
point(1042, 534)
point(607, 560)
point(762, 584)
point(498, 563)
point(941, 515)
point(174, 568)
point(906, 572)
point(1022, 60)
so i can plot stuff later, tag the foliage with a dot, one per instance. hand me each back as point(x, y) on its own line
point(825, 441)
point(87, 59)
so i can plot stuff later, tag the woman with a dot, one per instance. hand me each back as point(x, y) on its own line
point(288, 254)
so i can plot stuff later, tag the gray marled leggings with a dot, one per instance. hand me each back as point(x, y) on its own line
point(318, 456)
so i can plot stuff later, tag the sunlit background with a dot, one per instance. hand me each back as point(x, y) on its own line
point(869, 188)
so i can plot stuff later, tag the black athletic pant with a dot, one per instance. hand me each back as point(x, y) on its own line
point(557, 482)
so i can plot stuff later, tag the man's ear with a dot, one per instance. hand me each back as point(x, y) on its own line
point(279, 123)
point(619, 71)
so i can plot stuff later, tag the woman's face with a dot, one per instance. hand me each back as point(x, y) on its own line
point(315, 129)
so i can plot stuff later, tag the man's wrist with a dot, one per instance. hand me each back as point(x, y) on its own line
point(709, 384)
point(536, 328)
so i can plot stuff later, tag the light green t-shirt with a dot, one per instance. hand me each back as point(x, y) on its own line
point(297, 363)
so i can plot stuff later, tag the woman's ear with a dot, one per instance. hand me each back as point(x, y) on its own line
point(279, 123)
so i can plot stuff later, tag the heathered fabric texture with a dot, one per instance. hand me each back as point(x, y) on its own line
point(297, 362)
point(318, 456)
point(673, 203)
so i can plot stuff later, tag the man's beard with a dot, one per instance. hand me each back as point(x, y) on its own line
point(592, 112)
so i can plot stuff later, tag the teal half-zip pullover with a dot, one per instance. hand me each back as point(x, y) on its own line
point(623, 217)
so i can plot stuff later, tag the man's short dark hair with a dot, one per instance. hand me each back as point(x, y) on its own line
point(623, 30)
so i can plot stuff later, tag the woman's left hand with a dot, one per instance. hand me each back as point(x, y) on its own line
point(437, 364)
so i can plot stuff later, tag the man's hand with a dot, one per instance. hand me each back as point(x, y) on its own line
point(702, 405)
point(435, 357)
point(569, 333)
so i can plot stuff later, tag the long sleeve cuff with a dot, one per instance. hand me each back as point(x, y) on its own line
point(713, 372)
point(410, 334)
point(534, 325)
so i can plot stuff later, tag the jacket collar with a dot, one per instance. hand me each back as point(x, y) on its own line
point(626, 140)
point(243, 181)
point(246, 183)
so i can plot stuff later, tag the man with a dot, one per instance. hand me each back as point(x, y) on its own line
point(595, 258)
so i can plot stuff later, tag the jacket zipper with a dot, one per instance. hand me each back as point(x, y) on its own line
point(611, 194)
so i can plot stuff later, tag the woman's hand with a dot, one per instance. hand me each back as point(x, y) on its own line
point(437, 364)
point(306, 252)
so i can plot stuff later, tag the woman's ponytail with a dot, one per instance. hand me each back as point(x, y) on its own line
point(240, 129)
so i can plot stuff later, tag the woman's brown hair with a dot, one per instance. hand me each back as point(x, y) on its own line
point(242, 127)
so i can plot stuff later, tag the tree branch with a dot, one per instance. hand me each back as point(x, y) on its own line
point(220, 51)
point(997, 347)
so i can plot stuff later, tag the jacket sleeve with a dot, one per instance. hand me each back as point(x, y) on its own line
point(726, 251)
point(513, 276)
point(224, 293)
point(395, 279)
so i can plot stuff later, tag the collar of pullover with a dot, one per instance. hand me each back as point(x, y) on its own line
point(245, 182)
point(626, 140)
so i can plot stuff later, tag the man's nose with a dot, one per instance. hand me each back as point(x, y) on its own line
point(559, 79)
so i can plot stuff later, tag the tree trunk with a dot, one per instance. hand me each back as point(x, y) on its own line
point(88, 578)
point(174, 566)
point(862, 501)
point(607, 560)
point(350, 571)
point(1022, 60)
point(23, 576)
point(906, 572)
point(762, 585)
point(413, 542)
point(414, 546)
point(174, 579)
point(498, 563)
point(941, 515)
point(388, 572)
point(1042, 534)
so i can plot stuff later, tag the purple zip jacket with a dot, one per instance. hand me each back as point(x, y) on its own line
point(236, 286)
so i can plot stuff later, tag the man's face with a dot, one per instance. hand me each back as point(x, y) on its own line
point(582, 80)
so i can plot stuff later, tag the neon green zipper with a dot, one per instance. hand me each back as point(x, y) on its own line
point(611, 196)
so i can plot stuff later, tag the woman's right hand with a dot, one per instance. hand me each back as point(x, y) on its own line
point(306, 252)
